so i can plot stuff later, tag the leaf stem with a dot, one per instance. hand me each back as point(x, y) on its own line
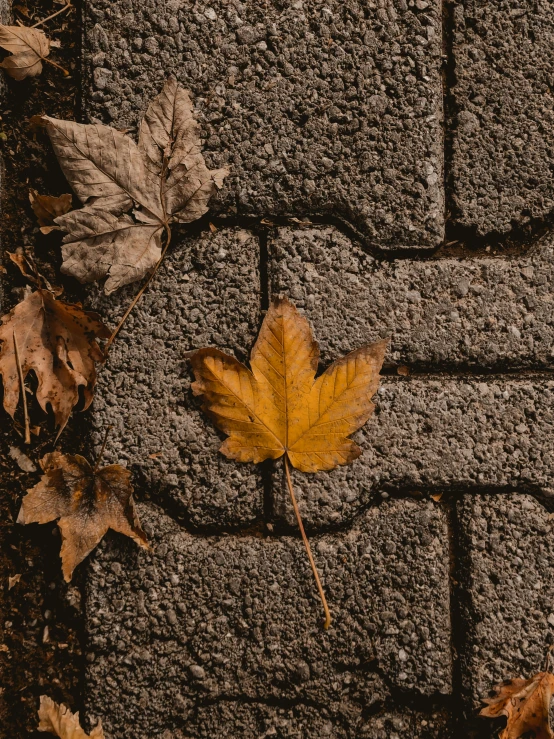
point(45, 59)
point(62, 10)
point(139, 294)
point(307, 545)
point(23, 391)
point(99, 457)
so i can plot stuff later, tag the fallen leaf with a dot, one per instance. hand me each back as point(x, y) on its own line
point(47, 208)
point(57, 341)
point(526, 704)
point(13, 580)
point(403, 371)
point(279, 407)
point(29, 48)
point(22, 460)
point(162, 180)
point(58, 719)
point(87, 501)
point(437, 496)
point(24, 261)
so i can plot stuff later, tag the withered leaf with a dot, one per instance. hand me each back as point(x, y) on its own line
point(12, 581)
point(131, 193)
point(87, 501)
point(47, 208)
point(279, 407)
point(59, 720)
point(57, 341)
point(526, 704)
point(29, 47)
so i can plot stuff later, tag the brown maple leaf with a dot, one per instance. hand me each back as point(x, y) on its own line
point(131, 193)
point(58, 719)
point(29, 48)
point(87, 501)
point(279, 408)
point(47, 208)
point(57, 341)
point(526, 704)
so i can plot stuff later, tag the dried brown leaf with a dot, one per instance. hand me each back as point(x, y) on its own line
point(526, 704)
point(47, 208)
point(29, 47)
point(163, 180)
point(57, 341)
point(22, 460)
point(59, 720)
point(279, 407)
point(87, 503)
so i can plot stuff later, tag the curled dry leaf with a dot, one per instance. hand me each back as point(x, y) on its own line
point(47, 208)
point(59, 720)
point(131, 193)
point(279, 407)
point(22, 460)
point(526, 704)
point(29, 48)
point(57, 341)
point(87, 501)
point(12, 581)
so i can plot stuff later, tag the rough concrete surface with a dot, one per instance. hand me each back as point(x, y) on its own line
point(508, 574)
point(209, 620)
point(206, 293)
point(487, 312)
point(503, 136)
point(432, 435)
point(330, 107)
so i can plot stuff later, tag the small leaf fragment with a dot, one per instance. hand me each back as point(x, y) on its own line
point(59, 720)
point(12, 581)
point(29, 47)
point(526, 704)
point(87, 503)
point(22, 460)
point(47, 208)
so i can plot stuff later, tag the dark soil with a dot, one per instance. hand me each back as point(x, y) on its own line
point(40, 637)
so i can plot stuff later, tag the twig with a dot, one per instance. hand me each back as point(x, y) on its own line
point(61, 10)
point(99, 457)
point(307, 545)
point(139, 294)
point(23, 392)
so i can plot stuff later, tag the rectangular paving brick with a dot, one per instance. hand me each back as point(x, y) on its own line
point(432, 435)
point(488, 313)
point(202, 621)
point(328, 107)
point(503, 127)
point(207, 292)
point(507, 573)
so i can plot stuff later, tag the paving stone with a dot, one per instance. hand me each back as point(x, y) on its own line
point(508, 574)
point(331, 107)
point(207, 292)
point(490, 312)
point(203, 621)
point(229, 720)
point(434, 435)
point(503, 142)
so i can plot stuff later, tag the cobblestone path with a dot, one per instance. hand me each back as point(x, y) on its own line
point(392, 170)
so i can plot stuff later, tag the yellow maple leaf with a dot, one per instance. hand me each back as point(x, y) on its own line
point(279, 407)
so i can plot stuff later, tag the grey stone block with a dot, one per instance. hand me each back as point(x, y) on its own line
point(328, 107)
point(202, 622)
point(236, 720)
point(432, 435)
point(503, 138)
point(207, 292)
point(508, 576)
point(489, 313)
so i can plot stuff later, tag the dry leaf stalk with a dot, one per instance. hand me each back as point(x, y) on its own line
point(278, 407)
